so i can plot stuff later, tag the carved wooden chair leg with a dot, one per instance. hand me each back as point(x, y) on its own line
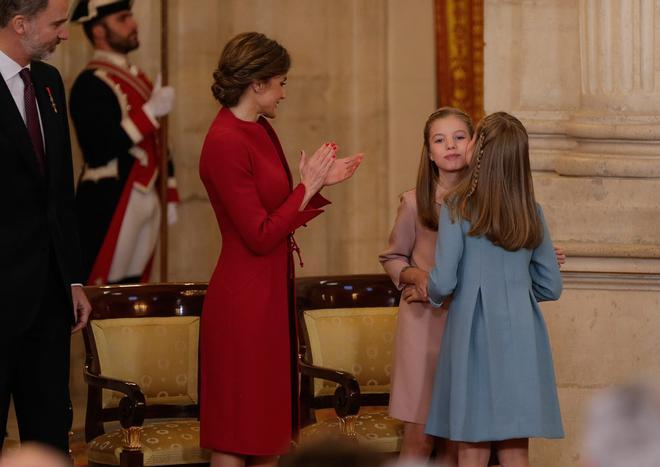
point(131, 458)
point(132, 455)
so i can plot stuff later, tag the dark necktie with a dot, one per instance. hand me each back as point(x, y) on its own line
point(32, 119)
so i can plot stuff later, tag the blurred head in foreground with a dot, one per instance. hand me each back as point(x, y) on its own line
point(623, 427)
point(34, 455)
point(332, 452)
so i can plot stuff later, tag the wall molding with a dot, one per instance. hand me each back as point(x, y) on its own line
point(611, 281)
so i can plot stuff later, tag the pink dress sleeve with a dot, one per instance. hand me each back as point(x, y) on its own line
point(402, 241)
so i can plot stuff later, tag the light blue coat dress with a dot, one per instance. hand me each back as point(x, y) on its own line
point(495, 379)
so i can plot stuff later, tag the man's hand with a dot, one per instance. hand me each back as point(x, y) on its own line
point(81, 308)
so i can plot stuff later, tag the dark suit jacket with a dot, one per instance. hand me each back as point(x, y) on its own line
point(38, 221)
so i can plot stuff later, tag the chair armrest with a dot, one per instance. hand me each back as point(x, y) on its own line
point(131, 406)
point(346, 400)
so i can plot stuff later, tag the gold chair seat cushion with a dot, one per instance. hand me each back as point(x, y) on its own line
point(376, 430)
point(164, 443)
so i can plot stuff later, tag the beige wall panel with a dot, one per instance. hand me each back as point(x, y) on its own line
point(411, 93)
point(195, 246)
point(602, 334)
point(531, 59)
point(618, 210)
point(602, 337)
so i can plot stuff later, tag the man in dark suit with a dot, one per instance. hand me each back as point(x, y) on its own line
point(42, 301)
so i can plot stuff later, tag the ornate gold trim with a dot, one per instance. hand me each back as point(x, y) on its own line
point(132, 438)
point(459, 32)
point(347, 426)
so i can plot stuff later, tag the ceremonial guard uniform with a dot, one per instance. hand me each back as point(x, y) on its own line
point(116, 200)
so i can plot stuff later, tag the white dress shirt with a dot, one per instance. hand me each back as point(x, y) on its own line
point(10, 73)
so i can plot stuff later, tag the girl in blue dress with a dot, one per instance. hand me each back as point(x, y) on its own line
point(495, 379)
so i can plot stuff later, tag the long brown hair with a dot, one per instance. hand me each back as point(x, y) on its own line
point(427, 174)
point(497, 194)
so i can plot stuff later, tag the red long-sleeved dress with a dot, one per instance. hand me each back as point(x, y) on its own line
point(247, 338)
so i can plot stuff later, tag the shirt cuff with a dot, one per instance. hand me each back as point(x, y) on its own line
point(77, 284)
point(435, 304)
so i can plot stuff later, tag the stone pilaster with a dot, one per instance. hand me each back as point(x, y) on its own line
point(616, 127)
point(597, 159)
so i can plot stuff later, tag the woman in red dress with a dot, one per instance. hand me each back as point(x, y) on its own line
point(248, 375)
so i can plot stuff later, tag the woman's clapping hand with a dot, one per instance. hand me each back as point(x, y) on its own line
point(343, 169)
point(324, 169)
point(314, 170)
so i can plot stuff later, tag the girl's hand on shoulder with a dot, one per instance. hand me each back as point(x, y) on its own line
point(421, 279)
point(417, 278)
point(561, 255)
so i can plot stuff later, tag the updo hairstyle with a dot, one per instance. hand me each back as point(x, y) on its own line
point(248, 57)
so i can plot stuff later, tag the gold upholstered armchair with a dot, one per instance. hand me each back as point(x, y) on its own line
point(347, 326)
point(141, 369)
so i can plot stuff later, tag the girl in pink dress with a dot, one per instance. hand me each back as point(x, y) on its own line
point(408, 259)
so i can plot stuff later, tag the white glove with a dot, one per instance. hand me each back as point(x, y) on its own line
point(172, 213)
point(161, 101)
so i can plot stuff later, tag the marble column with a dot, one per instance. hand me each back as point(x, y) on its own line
point(614, 137)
